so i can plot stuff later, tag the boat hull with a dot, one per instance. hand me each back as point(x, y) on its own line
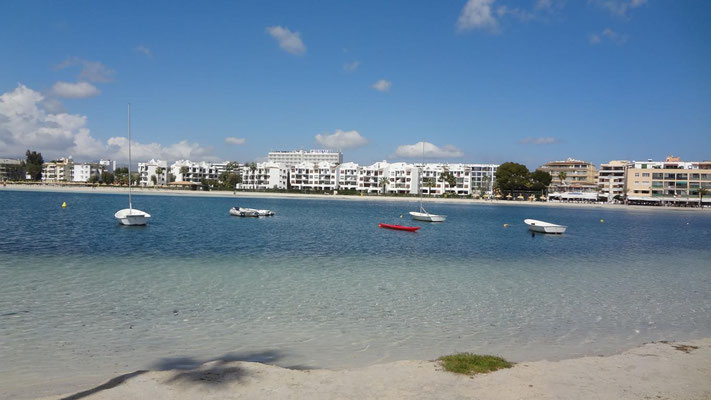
point(427, 217)
point(544, 227)
point(250, 212)
point(399, 227)
point(132, 217)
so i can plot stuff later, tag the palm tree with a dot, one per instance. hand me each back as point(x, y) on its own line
point(159, 172)
point(702, 193)
point(183, 171)
point(430, 183)
point(562, 175)
point(384, 182)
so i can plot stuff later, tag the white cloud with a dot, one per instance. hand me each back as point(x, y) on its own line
point(341, 140)
point(289, 41)
point(92, 71)
point(430, 151)
point(518, 13)
point(351, 66)
point(543, 4)
point(25, 124)
point(539, 140)
point(74, 90)
point(609, 35)
point(145, 51)
point(235, 140)
point(382, 85)
point(618, 7)
point(476, 14)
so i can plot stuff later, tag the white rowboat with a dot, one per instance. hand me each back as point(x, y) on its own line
point(423, 215)
point(544, 227)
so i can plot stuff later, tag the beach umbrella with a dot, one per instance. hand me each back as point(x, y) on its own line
point(498, 196)
point(520, 197)
point(508, 196)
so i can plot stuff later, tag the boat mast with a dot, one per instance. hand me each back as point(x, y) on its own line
point(422, 171)
point(130, 205)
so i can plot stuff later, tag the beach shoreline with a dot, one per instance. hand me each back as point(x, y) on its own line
point(659, 370)
point(303, 196)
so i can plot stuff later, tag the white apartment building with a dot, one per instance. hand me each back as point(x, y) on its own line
point(291, 158)
point(347, 176)
point(402, 178)
point(482, 177)
point(370, 176)
point(84, 172)
point(267, 175)
point(148, 170)
point(313, 176)
point(195, 172)
point(612, 179)
point(108, 165)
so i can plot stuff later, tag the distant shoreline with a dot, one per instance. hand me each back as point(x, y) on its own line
point(303, 196)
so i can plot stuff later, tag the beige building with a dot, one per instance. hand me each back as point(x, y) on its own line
point(671, 180)
point(612, 179)
point(58, 171)
point(579, 175)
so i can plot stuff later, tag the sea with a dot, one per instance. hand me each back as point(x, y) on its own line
point(320, 285)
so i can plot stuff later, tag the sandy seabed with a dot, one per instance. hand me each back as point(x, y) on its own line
point(660, 370)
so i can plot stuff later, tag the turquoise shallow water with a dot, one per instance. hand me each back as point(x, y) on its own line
point(320, 285)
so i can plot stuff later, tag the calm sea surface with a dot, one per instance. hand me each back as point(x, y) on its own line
point(320, 285)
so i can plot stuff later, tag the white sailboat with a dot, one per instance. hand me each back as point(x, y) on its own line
point(544, 227)
point(130, 215)
point(422, 214)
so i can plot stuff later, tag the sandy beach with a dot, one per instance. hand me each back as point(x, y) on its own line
point(658, 370)
point(273, 195)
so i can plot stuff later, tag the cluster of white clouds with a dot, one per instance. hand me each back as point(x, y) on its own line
point(235, 140)
point(76, 90)
point(145, 50)
point(341, 140)
point(608, 34)
point(382, 85)
point(289, 41)
point(427, 150)
point(25, 123)
point(486, 15)
point(539, 140)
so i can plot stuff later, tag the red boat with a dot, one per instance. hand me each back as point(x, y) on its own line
point(399, 227)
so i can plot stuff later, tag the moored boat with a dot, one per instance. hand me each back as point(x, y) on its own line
point(399, 227)
point(544, 227)
point(250, 212)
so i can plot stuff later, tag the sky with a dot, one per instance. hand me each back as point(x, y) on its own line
point(479, 81)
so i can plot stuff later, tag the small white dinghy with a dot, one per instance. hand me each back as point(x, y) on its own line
point(250, 212)
point(544, 227)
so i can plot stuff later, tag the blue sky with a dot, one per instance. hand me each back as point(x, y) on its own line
point(481, 80)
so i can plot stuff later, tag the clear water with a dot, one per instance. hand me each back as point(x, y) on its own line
point(320, 285)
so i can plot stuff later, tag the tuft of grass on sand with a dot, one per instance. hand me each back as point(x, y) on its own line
point(469, 364)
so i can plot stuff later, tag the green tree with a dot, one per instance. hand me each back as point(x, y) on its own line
point(93, 179)
point(540, 179)
point(183, 171)
point(33, 164)
point(562, 175)
point(107, 177)
point(154, 180)
point(702, 193)
point(135, 178)
point(384, 182)
point(449, 178)
point(171, 177)
point(512, 176)
point(429, 183)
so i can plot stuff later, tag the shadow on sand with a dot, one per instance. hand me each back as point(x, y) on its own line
point(192, 370)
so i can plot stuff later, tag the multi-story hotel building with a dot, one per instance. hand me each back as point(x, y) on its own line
point(58, 171)
point(148, 170)
point(671, 180)
point(267, 175)
point(579, 175)
point(84, 172)
point(291, 158)
point(401, 178)
point(370, 177)
point(313, 176)
point(196, 172)
point(10, 169)
point(347, 176)
point(612, 179)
